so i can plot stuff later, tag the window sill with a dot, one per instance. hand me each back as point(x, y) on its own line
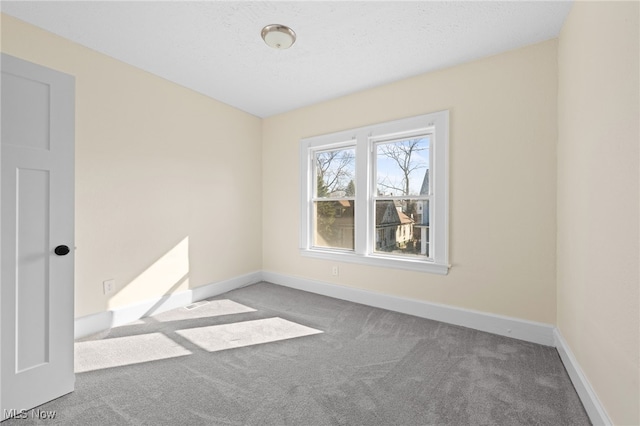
point(378, 260)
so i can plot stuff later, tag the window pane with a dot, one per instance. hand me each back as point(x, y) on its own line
point(403, 167)
point(335, 173)
point(402, 227)
point(334, 224)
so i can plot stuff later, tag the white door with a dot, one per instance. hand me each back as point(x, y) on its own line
point(37, 216)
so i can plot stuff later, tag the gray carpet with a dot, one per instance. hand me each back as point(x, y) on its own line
point(350, 365)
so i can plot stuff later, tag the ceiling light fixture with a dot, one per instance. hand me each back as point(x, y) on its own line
point(278, 36)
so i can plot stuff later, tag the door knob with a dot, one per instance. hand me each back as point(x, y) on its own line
point(61, 250)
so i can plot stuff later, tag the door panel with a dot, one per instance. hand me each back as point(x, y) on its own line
point(32, 278)
point(28, 98)
point(37, 183)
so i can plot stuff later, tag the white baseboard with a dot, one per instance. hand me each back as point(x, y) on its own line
point(596, 412)
point(210, 290)
point(92, 324)
point(502, 325)
point(497, 324)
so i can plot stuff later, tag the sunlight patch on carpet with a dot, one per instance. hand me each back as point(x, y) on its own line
point(246, 333)
point(120, 351)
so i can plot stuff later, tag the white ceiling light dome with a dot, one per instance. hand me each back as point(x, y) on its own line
point(278, 36)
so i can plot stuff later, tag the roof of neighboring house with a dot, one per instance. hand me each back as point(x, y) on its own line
point(386, 213)
point(404, 219)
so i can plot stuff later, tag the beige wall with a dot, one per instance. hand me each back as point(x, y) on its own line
point(503, 178)
point(598, 200)
point(168, 193)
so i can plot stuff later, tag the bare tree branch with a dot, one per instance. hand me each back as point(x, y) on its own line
point(401, 153)
point(393, 187)
point(335, 168)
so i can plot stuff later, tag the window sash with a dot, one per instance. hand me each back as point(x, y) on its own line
point(339, 233)
point(375, 229)
point(374, 142)
point(314, 165)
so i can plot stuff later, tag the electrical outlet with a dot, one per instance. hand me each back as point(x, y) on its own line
point(108, 286)
point(335, 271)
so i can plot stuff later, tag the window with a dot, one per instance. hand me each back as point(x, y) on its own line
point(333, 198)
point(378, 195)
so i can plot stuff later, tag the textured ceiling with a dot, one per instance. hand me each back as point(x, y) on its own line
point(214, 47)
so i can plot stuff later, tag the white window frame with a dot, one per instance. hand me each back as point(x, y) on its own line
point(364, 139)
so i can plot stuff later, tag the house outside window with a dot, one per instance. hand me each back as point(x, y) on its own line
point(378, 195)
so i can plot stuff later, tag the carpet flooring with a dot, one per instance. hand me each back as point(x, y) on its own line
point(280, 356)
